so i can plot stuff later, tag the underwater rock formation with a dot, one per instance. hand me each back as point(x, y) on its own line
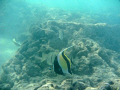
point(92, 63)
point(28, 69)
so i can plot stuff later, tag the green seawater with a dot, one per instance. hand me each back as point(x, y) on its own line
point(90, 6)
point(13, 21)
point(17, 17)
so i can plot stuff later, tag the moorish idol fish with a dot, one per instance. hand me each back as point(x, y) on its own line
point(62, 64)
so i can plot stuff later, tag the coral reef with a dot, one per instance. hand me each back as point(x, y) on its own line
point(92, 64)
point(96, 67)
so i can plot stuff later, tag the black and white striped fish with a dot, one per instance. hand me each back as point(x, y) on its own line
point(62, 64)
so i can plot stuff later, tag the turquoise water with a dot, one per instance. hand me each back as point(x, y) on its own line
point(109, 8)
point(37, 23)
point(13, 21)
point(84, 6)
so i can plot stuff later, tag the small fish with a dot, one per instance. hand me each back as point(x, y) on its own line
point(16, 43)
point(62, 64)
point(61, 36)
